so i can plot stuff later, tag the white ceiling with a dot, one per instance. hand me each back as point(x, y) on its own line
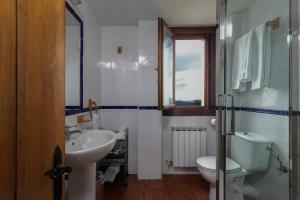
point(175, 12)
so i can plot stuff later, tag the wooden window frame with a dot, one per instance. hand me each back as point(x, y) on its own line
point(209, 109)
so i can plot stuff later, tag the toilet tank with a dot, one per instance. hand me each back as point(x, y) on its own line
point(250, 151)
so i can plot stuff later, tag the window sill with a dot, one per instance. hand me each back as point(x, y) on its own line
point(190, 111)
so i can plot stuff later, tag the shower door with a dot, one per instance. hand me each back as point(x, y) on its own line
point(254, 97)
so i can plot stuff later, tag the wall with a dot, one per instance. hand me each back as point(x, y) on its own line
point(129, 93)
point(118, 86)
point(129, 98)
point(149, 118)
point(271, 121)
point(91, 53)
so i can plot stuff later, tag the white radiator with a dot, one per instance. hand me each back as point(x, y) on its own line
point(189, 143)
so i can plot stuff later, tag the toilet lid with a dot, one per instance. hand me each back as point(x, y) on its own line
point(209, 163)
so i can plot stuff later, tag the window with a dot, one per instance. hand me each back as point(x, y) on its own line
point(189, 72)
point(186, 70)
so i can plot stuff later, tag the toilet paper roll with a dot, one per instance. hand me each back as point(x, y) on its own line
point(213, 122)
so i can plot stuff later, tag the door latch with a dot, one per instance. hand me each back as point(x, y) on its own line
point(58, 171)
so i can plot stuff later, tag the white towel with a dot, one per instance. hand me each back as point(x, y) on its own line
point(112, 171)
point(261, 57)
point(120, 136)
point(242, 62)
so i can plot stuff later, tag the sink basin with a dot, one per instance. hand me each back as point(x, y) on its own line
point(90, 146)
point(82, 152)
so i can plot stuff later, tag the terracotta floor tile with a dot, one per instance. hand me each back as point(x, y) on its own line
point(181, 194)
point(127, 194)
point(153, 184)
point(154, 194)
point(175, 181)
point(196, 181)
point(171, 187)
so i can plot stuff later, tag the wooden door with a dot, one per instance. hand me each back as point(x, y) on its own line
point(7, 99)
point(40, 104)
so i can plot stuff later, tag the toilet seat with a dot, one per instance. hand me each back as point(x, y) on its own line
point(209, 163)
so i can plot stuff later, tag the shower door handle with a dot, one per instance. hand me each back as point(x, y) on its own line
point(220, 113)
point(232, 109)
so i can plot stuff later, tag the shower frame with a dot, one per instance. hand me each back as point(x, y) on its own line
point(294, 131)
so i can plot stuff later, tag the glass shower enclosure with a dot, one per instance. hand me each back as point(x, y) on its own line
point(257, 99)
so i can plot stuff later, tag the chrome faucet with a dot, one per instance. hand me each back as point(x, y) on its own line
point(70, 130)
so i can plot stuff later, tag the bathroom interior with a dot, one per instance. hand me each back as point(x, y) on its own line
point(149, 99)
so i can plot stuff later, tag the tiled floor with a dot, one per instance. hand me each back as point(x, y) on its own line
point(171, 187)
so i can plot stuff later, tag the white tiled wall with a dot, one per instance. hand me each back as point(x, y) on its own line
point(274, 127)
point(149, 121)
point(118, 84)
point(148, 77)
point(149, 144)
point(276, 96)
point(119, 71)
point(126, 80)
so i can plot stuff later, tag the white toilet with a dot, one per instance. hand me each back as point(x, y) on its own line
point(248, 154)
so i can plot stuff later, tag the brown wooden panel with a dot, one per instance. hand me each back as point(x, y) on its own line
point(8, 99)
point(193, 31)
point(40, 110)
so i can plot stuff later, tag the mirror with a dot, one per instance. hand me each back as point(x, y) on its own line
point(73, 60)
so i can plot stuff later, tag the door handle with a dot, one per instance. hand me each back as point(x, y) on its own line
point(57, 173)
point(220, 113)
point(232, 122)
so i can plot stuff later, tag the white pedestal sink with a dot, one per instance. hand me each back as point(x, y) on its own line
point(82, 152)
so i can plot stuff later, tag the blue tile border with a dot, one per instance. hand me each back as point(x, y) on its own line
point(245, 109)
point(77, 17)
point(148, 107)
point(77, 111)
point(73, 112)
point(266, 111)
point(296, 113)
point(119, 107)
point(259, 110)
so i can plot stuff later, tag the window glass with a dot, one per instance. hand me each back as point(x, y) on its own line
point(168, 68)
point(190, 72)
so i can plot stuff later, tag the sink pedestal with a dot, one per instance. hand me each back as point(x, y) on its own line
point(82, 153)
point(82, 182)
